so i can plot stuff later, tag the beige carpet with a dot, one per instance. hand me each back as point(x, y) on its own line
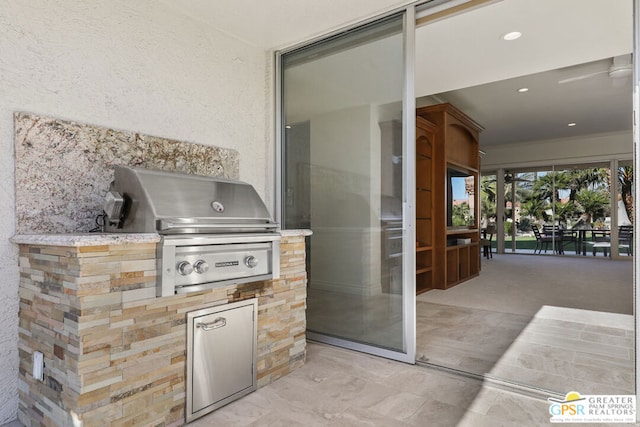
point(522, 284)
point(556, 323)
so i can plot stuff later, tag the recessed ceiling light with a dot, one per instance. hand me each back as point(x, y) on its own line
point(287, 127)
point(572, 124)
point(523, 89)
point(513, 35)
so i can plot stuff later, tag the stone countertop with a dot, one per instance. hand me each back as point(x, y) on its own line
point(85, 239)
point(94, 239)
point(301, 232)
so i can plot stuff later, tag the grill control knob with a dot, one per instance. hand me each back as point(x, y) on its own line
point(185, 268)
point(201, 266)
point(250, 261)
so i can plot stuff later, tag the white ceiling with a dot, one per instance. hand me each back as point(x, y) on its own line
point(464, 60)
point(596, 105)
point(474, 69)
point(275, 24)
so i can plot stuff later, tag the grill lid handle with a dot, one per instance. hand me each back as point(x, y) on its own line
point(166, 225)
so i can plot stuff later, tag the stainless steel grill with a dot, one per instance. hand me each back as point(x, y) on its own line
point(215, 232)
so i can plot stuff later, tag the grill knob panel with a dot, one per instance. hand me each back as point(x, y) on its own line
point(185, 268)
point(251, 261)
point(201, 266)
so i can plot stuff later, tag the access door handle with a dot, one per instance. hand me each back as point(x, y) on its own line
point(217, 323)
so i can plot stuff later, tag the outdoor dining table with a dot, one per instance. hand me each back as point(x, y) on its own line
point(582, 237)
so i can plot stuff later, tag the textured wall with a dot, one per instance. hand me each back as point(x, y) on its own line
point(63, 169)
point(122, 65)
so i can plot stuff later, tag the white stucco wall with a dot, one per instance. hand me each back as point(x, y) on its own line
point(125, 65)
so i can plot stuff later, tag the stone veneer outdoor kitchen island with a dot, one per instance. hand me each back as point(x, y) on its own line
point(115, 354)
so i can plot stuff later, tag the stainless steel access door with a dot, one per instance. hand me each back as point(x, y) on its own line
point(221, 356)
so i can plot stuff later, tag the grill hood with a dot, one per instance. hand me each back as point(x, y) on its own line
point(152, 201)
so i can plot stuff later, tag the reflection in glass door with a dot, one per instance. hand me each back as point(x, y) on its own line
point(344, 171)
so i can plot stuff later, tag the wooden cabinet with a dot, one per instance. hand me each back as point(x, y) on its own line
point(447, 253)
point(462, 260)
point(425, 139)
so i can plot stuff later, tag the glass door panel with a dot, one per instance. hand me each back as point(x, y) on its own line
point(522, 210)
point(488, 204)
point(625, 209)
point(563, 210)
point(344, 171)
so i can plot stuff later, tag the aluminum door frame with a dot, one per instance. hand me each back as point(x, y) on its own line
point(636, 195)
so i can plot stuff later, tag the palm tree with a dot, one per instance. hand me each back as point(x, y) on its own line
point(461, 215)
point(578, 182)
point(565, 211)
point(488, 197)
point(548, 186)
point(625, 178)
point(536, 208)
point(595, 204)
point(579, 179)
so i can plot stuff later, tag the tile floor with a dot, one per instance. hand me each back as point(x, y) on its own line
point(338, 387)
point(504, 328)
point(559, 349)
point(463, 338)
point(564, 349)
point(519, 336)
point(553, 322)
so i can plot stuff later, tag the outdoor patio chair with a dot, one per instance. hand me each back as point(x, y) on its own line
point(625, 238)
point(570, 237)
point(542, 242)
point(561, 237)
point(487, 238)
point(600, 239)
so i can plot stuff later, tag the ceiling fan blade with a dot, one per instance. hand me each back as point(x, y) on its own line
point(582, 77)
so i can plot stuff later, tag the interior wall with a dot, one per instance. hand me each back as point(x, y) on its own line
point(582, 149)
point(125, 65)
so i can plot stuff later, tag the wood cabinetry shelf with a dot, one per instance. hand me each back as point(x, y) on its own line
point(462, 231)
point(425, 139)
point(463, 263)
point(445, 137)
point(463, 166)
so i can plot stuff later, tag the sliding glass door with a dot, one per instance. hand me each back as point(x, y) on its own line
point(568, 210)
point(345, 171)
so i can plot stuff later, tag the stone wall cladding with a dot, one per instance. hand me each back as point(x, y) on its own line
point(114, 353)
point(64, 168)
